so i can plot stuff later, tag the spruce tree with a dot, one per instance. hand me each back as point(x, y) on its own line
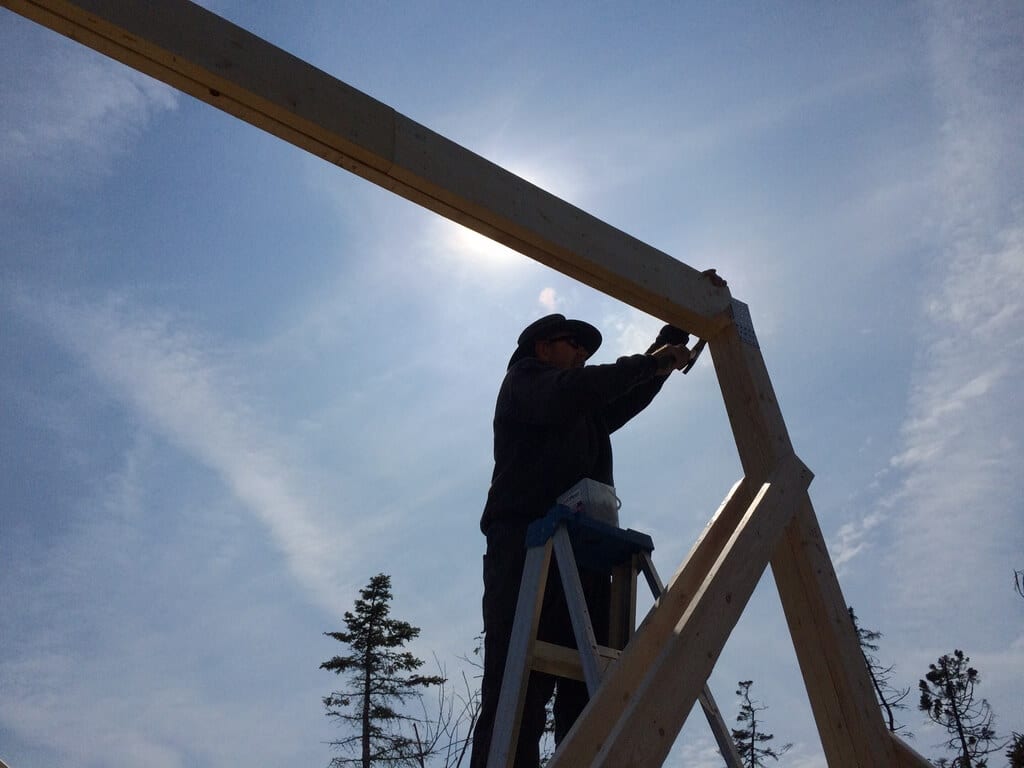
point(381, 680)
point(751, 740)
point(890, 698)
point(947, 695)
point(1015, 751)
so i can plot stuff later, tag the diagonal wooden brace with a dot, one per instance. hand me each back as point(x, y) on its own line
point(619, 685)
point(634, 719)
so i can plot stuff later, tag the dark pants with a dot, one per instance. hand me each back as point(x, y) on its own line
point(503, 572)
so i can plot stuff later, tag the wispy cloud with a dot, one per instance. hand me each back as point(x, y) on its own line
point(116, 711)
point(700, 752)
point(186, 390)
point(960, 488)
point(130, 621)
point(853, 537)
point(69, 110)
point(35, 705)
point(956, 474)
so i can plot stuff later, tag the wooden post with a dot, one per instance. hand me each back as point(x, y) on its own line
point(838, 684)
point(835, 674)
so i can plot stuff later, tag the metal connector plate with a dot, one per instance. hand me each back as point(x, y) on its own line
point(744, 325)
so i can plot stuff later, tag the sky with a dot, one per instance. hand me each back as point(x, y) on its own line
point(237, 382)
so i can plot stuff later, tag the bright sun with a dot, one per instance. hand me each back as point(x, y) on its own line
point(471, 246)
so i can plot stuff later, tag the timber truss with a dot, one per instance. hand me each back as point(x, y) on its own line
point(767, 517)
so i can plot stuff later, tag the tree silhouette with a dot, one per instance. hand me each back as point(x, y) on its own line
point(947, 695)
point(751, 741)
point(380, 676)
point(890, 698)
point(1015, 752)
point(444, 739)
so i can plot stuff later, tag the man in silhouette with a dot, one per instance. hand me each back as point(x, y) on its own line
point(552, 426)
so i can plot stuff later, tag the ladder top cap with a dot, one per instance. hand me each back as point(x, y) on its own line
point(595, 543)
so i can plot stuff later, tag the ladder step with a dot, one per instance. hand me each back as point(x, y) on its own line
point(565, 662)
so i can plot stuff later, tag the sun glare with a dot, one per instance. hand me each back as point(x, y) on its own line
point(470, 246)
point(479, 250)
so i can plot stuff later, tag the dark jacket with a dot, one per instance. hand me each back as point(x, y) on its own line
point(552, 427)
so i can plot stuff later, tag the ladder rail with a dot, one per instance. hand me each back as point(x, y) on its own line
point(505, 733)
point(579, 614)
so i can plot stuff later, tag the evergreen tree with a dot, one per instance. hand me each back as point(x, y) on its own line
point(381, 678)
point(751, 740)
point(1015, 752)
point(947, 695)
point(890, 698)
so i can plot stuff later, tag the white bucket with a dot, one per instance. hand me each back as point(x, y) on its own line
point(594, 500)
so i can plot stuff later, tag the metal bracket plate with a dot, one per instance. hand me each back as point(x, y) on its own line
point(744, 325)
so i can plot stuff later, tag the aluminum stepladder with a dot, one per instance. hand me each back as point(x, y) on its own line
point(573, 538)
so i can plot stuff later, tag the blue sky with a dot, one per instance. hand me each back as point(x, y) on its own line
point(237, 381)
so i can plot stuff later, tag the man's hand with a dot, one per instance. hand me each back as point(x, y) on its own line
point(671, 357)
point(716, 280)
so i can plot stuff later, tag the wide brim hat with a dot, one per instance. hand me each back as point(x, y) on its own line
point(550, 326)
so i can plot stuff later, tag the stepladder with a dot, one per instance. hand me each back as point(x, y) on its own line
point(577, 543)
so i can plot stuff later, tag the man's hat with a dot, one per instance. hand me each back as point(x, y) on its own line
point(554, 325)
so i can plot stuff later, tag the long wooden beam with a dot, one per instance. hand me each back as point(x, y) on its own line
point(222, 64)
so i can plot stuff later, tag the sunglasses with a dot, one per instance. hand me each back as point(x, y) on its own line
point(570, 340)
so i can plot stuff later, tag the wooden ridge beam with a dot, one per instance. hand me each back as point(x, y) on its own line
point(226, 66)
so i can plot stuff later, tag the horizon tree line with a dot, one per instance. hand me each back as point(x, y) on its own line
point(389, 722)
